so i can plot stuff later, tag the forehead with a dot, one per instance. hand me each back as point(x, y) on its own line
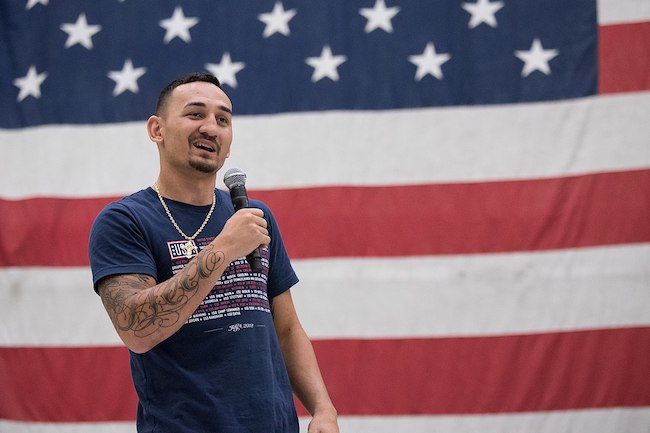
point(199, 92)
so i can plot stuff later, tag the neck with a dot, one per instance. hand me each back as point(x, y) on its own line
point(198, 192)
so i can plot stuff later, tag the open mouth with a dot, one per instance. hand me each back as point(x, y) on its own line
point(205, 146)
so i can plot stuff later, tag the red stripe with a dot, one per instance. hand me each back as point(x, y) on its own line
point(599, 209)
point(559, 371)
point(47, 231)
point(580, 211)
point(56, 384)
point(624, 57)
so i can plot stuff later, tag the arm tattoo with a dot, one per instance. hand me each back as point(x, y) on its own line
point(134, 302)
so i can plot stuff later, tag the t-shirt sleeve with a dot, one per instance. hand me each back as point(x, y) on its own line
point(281, 274)
point(117, 245)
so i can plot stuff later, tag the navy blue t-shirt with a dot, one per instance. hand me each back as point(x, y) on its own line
point(223, 370)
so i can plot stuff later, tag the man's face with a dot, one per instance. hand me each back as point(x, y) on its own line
point(196, 127)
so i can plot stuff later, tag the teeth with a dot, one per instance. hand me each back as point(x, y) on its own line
point(201, 146)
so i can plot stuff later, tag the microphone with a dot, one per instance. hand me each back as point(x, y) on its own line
point(235, 180)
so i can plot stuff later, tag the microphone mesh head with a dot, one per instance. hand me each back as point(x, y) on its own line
point(234, 177)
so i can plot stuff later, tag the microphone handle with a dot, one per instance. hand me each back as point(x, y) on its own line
point(240, 201)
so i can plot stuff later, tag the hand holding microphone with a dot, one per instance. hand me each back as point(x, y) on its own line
point(235, 181)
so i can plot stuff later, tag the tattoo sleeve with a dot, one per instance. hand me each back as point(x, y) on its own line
point(136, 304)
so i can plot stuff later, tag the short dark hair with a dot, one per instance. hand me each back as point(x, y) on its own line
point(189, 78)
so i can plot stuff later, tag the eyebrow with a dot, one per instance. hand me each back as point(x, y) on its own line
point(203, 105)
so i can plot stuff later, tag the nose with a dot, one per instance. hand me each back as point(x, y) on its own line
point(209, 126)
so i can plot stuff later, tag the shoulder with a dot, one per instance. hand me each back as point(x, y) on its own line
point(126, 213)
point(224, 197)
point(131, 204)
point(140, 199)
point(260, 205)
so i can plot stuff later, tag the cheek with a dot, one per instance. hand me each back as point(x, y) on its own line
point(177, 138)
point(226, 141)
point(226, 151)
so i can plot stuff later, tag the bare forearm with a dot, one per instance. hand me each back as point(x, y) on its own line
point(144, 314)
point(302, 366)
point(304, 373)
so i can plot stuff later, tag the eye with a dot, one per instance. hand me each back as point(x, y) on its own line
point(223, 120)
point(195, 114)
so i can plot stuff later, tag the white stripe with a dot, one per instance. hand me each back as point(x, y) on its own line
point(475, 294)
point(431, 145)
point(52, 307)
point(377, 298)
point(612, 420)
point(81, 427)
point(592, 421)
point(623, 11)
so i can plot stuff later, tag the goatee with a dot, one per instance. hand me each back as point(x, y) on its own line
point(204, 166)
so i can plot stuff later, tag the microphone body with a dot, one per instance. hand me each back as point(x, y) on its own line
point(235, 180)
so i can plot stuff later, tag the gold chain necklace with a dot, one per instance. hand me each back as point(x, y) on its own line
point(189, 247)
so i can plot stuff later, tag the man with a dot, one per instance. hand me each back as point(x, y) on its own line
point(214, 347)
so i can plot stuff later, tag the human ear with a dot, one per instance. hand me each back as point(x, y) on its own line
point(154, 129)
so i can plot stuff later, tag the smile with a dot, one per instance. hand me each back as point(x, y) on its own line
point(205, 146)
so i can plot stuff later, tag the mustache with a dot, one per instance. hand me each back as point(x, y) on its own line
point(206, 137)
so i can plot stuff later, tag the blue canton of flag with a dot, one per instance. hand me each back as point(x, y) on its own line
point(83, 62)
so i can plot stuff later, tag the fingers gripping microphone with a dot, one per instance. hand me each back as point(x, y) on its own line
point(235, 180)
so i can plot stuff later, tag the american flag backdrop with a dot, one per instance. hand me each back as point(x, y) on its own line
point(463, 187)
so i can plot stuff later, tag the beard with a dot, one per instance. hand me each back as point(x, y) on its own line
point(204, 166)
